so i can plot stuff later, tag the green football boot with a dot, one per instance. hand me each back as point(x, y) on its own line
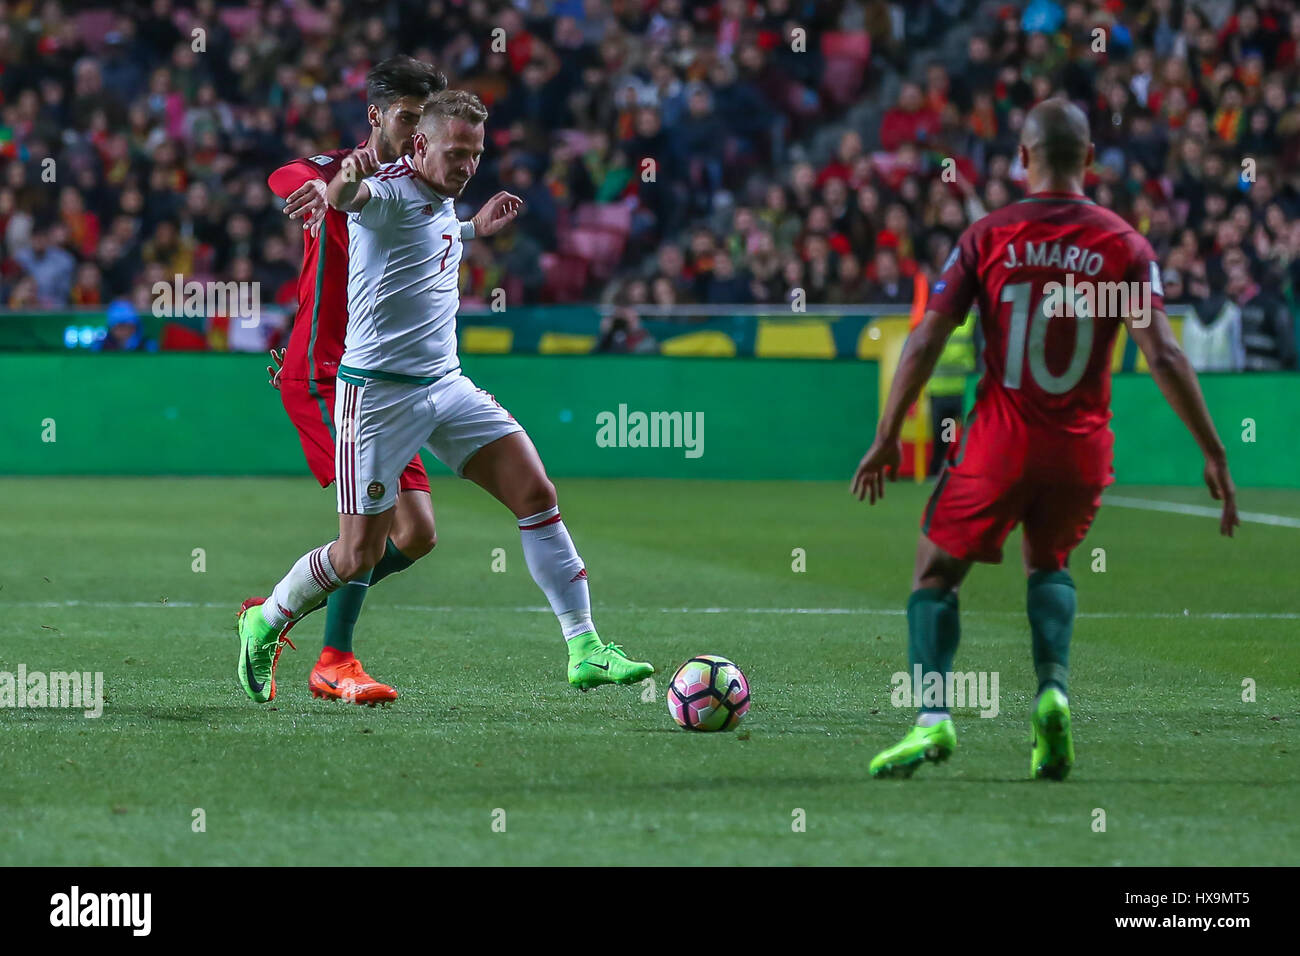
point(1053, 746)
point(935, 743)
point(259, 651)
point(592, 663)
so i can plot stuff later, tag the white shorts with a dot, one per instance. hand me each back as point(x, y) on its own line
point(381, 424)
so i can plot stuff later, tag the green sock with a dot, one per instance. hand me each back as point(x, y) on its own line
point(933, 632)
point(392, 562)
point(344, 605)
point(341, 612)
point(1051, 604)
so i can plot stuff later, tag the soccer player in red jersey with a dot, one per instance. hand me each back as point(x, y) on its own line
point(397, 90)
point(1054, 276)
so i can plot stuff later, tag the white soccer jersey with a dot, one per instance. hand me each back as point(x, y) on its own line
point(404, 249)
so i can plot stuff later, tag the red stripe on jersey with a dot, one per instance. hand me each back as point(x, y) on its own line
point(348, 450)
point(540, 524)
point(341, 454)
point(345, 483)
point(318, 572)
point(354, 452)
point(341, 451)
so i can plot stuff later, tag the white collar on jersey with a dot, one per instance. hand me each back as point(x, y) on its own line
point(421, 181)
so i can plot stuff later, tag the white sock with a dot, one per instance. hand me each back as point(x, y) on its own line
point(555, 565)
point(575, 623)
point(310, 579)
point(932, 717)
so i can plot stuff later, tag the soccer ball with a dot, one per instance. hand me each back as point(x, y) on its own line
point(708, 693)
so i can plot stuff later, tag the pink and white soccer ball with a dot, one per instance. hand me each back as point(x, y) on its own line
point(708, 693)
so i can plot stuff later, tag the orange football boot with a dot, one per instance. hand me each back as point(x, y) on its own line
point(341, 677)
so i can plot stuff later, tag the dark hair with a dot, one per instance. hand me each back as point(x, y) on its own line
point(1058, 131)
point(400, 76)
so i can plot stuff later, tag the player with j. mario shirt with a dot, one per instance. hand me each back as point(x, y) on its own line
point(396, 91)
point(1037, 446)
point(401, 388)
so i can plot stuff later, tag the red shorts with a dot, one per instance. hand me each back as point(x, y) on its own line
point(313, 416)
point(970, 516)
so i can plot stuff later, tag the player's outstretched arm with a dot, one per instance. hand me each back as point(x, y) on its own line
point(920, 355)
point(308, 203)
point(347, 191)
point(303, 193)
point(497, 213)
point(1177, 381)
point(291, 177)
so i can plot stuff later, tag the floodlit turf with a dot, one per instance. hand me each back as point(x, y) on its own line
point(98, 575)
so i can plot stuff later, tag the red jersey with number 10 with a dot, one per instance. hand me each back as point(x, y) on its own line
point(1051, 275)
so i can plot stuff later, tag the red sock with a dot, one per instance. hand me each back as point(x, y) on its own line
point(330, 656)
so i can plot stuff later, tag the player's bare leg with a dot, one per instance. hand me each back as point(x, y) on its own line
point(414, 532)
point(1050, 603)
point(511, 471)
point(936, 568)
point(933, 632)
point(410, 537)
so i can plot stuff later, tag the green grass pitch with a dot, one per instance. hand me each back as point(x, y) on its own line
point(99, 575)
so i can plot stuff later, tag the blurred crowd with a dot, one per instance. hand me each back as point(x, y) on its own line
point(135, 139)
point(1196, 122)
point(133, 149)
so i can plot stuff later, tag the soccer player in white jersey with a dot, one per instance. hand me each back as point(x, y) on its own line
point(400, 388)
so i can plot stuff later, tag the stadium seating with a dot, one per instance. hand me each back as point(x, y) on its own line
point(152, 138)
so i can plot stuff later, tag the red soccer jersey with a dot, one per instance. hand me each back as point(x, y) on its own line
point(1044, 400)
point(316, 343)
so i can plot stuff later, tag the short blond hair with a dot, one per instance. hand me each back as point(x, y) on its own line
point(459, 104)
